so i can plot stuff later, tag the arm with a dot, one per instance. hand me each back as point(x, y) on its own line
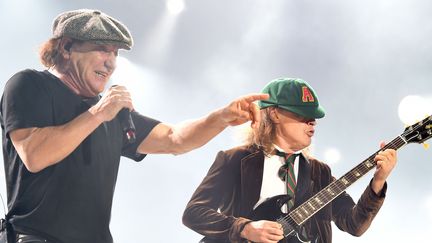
point(217, 191)
point(39, 148)
point(386, 161)
point(42, 147)
point(201, 213)
point(189, 135)
point(356, 219)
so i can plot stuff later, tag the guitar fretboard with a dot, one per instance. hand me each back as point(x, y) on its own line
point(334, 189)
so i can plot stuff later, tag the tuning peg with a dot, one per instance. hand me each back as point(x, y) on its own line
point(425, 145)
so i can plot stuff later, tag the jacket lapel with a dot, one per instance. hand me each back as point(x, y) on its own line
point(252, 167)
point(304, 181)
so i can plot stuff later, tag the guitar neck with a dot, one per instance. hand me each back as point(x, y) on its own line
point(334, 189)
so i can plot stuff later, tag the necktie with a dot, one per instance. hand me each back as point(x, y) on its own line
point(286, 173)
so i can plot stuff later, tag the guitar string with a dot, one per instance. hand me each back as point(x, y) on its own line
point(352, 177)
point(290, 218)
point(398, 141)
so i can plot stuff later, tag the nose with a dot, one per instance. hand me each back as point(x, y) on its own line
point(312, 122)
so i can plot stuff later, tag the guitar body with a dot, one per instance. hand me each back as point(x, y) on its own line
point(271, 210)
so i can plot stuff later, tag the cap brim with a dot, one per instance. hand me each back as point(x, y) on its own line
point(120, 45)
point(265, 103)
point(306, 111)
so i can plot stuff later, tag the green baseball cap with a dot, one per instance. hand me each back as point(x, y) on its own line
point(294, 95)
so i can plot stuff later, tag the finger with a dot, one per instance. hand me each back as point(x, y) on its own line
point(274, 237)
point(276, 231)
point(120, 93)
point(382, 144)
point(380, 160)
point(255, 115)
point(254, 97)
point(120, 98)
point(391, 153)
point(119, 101)
point(379, 157)
point(379, 164)
point(244, 115)
point(129, 106)
point(117, 87)
point(273, 224)
point(388, 154)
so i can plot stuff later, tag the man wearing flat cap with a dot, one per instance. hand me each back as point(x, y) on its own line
point(249, 188)
point(62, 140)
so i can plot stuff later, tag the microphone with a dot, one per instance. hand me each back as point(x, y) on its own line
point(127, 124)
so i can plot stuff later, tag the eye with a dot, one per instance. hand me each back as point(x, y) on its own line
point(109, 51)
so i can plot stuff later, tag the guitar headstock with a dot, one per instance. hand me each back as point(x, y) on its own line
point(419, 132)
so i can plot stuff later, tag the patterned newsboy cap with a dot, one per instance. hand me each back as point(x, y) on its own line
point(94, 26)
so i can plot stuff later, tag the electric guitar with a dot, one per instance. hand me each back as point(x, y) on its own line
point(292, 221)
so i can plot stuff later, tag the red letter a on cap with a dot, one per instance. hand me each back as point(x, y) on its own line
point(307, 95)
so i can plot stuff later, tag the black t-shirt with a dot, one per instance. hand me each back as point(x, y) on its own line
point(70, 201)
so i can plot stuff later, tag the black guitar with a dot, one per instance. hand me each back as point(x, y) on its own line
point(292, 222)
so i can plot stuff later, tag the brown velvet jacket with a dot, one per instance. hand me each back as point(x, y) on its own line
point(221, 204)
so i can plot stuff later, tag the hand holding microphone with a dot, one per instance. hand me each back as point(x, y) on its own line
point(127, 123)
point(116, 101)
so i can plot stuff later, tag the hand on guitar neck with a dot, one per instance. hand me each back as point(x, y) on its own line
point(386, 161)
point(263, 231)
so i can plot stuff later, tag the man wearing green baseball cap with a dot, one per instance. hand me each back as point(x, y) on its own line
point(249, 189)
point(62, 139)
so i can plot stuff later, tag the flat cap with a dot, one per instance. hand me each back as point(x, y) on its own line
point(94, 26)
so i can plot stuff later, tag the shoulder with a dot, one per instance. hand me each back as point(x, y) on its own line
point(229, 161)
point(28, 74)
point(318, 165)
point(240, 152)
point(28, 78)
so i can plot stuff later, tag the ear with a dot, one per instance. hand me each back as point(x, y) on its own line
point(65, 46)
point(274, 115)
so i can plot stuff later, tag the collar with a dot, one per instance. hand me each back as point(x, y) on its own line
point(281, 150)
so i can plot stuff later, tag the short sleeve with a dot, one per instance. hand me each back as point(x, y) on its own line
point(25, 103)
point(143, 125)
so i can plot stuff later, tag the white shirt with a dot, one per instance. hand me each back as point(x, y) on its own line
point(272, 184)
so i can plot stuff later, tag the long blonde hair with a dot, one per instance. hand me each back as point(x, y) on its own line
point(263, 136)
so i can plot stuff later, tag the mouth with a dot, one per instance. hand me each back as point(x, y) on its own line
point(101, 74)
point(310, 133)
